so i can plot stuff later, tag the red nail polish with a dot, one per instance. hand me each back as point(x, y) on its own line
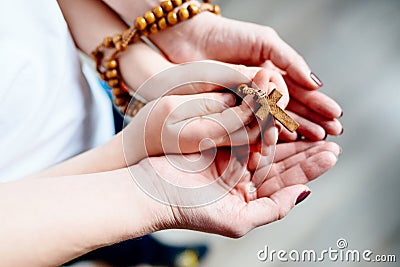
point(302, 196)
point(316, 79)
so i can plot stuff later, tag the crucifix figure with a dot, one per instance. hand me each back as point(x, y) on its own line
point(269, 105)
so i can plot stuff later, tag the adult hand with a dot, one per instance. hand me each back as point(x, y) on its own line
point(316, 113)
point(240, 209)
point(244, 43)
point(208, 36)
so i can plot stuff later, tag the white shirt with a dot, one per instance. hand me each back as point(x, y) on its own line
point(48, 112)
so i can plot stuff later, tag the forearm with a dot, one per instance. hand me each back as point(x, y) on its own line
point(90, 21)
point(129, 9)
point(47, 222)
point(107, 157)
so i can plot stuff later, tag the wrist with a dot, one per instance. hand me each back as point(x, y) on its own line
point(158, 216)
point(132, 142)
point(138, 63)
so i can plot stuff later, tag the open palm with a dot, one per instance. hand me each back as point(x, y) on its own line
point(215, 192)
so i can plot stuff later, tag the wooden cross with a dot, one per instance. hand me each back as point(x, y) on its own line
point(269, 105)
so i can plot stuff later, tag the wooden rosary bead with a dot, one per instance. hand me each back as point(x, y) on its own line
point(162, 24)
point(140, 23)
point(133, 111)
point(153, 29)
point(121, 46)
point(108, 42)
point(119, 101)
point(149, 17)
point(118, 92)
point(113, 83)
point(207, 1)
point(172, 18)
point(110, 74)
point(183, 14)
point(216, 10)
point(124, 87)
point(158, 12)
point(127, 34)
point(167, 6)
point(193, 10)
point(117, 38)
point(144, 33)
point(123, 109)
point(176, 3)
point(112, 64)
point(97, 54)
point(134, 107)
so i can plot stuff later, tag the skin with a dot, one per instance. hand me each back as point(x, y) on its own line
point(154, 131)
point(95, 201)
point(258, 45)
point(93, 210)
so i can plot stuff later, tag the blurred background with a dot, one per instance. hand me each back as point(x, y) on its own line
point(354, 47)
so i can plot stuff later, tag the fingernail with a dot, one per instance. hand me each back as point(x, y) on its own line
point(316, 79)
point(302, 196)
point(229, 99)
point(341, 115)
point(341, 131)
point(326, 136)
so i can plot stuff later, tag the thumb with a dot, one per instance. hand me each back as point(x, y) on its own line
point(186, 107)
point(266, 210)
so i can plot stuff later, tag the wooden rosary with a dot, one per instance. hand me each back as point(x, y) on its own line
point(168, 13)
point(269, 105)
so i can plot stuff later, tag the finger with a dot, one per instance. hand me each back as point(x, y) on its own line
point(286, 150)
point(286, 136)
point(331, 126)
point(142, 71)
point(266, 210)
point(200, 77)
point(181, 108)
point(287, 59)
point(315, 100)
point(283, 165)
point(206, 76)
point(269, 138)
point(308, 129)
point(212, 76)
point(267, 80)
point(282, 152)
point(219, 126)
point(261, 165)
point(301, 173)
point(248, 133)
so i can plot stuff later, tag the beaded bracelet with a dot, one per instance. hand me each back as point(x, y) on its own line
point(151, 22)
